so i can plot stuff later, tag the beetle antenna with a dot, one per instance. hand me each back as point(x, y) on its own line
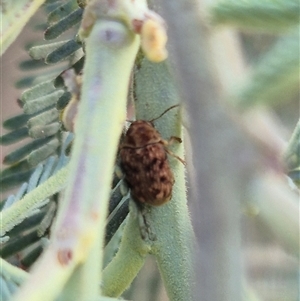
point(163, 113)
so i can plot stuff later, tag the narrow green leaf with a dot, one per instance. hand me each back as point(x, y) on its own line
point(43, 152)
point(9, 201)
point(78, 66)
point(47, 219)
point(25, 82)
point(30, 222)
point(44, 118)
point(18, 243)
point(16, 121)
point(41, 51)
point(116, 218)
point(63, 52)
point(25, 150)
point(51, 74)
point(116, 196)
point(62, 11)
point(44, 131)
point(14, 136)
point(49, 168)
point(63, 100)
point(15, 169)
point(43, 102)
point(31, 65)
point(51, 5)
point(32, 256)
point(63, 25)
point(38, 90)
point(34, 178)
point(14, 180)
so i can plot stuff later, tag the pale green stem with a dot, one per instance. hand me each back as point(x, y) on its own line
point(47, 278)
point(79, 287)
point(155, 92)
point(14, 16)
point(16, 213)
point(173, 246)
point(111, 49)
point(123, 268)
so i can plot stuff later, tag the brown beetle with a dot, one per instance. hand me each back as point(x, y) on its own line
point(145, 164)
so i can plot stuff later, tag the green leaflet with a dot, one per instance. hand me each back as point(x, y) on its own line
point(62, 11)
point(64, 24)
point(42, 102)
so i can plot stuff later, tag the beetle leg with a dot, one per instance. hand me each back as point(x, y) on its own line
point(173, 139)
point(175, 156)
point(166, 143)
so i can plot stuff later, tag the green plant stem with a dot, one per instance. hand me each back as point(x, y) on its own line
point(77, 286)
point(171, 224)
point(13, 19)
point(123, 268)
point(21, 209)
point(173, 249)
point(110, 52)
point(45, 283)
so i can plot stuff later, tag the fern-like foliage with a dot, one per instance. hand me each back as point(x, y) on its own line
point(27, 235)
point(45, 98)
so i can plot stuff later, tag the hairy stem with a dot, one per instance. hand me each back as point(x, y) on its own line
point(110, 52)
point(155, 92)
point(215, 141)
